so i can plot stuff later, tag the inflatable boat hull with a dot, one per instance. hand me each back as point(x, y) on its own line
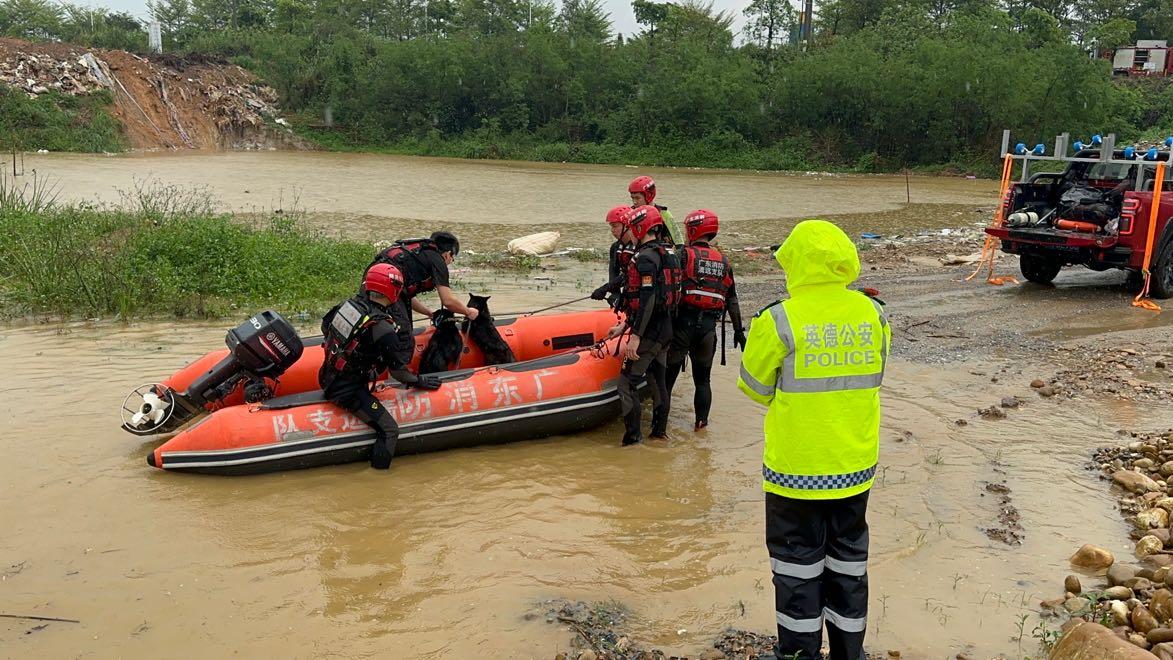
point(558, 394)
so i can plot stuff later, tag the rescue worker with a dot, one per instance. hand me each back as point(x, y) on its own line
point(362, 340)
point(424, 263)
point(651, 291)
point(817, 360)
point(708, 292)
point(643, 192)
point(618, 257)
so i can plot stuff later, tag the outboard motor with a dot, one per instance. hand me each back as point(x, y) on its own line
point(260, 349)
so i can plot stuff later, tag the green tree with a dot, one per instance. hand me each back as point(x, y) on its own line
point(585, 19)
point(30, 19)
point(769, 23)
point(1112, 34)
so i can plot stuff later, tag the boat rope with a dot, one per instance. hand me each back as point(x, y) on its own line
point(417, 319)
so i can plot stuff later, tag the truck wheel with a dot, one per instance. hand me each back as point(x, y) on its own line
point(1039, 270)
point(1161, 285)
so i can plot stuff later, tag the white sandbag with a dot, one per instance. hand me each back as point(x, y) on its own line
point(534, 244)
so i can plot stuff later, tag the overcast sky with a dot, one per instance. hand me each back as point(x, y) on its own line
point(621, 17)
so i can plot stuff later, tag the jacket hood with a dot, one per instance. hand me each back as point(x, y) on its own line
point(818, 252)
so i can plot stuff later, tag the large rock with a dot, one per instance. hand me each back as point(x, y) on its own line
point(1118, 593)
point(1092, 558)
point(1091, 641)
point(1154, 518)
point(1119, 613)
point(1071, 584)
point(1149, 545)
point(1164, 651)
point(1120, 573)
point(1077, 605)
point(1139, 584)
point(1166, 469)
point(1162, 607)
point(1160, 635)
point(1136, 482)
point(1143, 620)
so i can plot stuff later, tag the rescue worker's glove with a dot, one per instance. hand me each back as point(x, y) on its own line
point(739, 338)
point(601, 292)
point(428, 382)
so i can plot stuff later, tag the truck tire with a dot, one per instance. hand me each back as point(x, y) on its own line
point(1161, 284)
point(1039, 270)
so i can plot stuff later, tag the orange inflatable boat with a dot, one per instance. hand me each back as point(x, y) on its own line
point(265, 358)
point(565, 381)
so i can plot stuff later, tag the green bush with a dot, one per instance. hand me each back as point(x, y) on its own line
point(167, 257)
point(58, 122)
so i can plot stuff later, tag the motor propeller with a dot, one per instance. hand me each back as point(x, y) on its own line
point(144, 411)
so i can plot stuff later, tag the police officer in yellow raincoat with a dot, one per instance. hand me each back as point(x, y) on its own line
point(817, 360)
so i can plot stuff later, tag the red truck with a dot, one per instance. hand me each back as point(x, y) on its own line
point(1094, 213)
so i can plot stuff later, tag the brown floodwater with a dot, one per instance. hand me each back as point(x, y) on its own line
point(443, 555)
point(442, 190)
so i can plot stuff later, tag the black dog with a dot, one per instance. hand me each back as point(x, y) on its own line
point(484, 334)
point(444, 348)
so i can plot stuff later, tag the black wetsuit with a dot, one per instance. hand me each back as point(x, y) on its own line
point(652, 323)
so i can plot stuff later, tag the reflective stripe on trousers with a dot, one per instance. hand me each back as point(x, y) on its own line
point(807, 626)
point(812, 571)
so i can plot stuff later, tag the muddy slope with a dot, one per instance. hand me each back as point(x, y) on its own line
point(166, 103)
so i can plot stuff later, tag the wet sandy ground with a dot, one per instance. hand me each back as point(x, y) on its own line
point(444, 555)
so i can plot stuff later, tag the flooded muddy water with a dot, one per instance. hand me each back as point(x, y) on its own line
point(444, 555)
point(380, 187)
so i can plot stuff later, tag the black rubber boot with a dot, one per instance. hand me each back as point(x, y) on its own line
point(380, 455)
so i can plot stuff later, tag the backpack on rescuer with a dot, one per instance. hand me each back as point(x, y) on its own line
point(403, 252)
point(707, 278)
point(344, 332)
point(668, 281)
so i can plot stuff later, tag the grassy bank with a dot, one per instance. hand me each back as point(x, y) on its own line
point(58, 122)
point(166, 252)
point(722, 150)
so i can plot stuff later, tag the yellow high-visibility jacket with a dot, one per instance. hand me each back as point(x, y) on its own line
point(817, 360)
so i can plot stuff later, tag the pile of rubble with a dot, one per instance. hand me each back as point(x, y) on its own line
point(37, 75)
point(1124, 373)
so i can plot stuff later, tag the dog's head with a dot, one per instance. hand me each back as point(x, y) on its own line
point(443, 316)
point(479, 303)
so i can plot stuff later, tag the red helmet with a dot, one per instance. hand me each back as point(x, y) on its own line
point(643, 185)
point(617, 214)
point(642, 219)
point(385, 279)
point(700, 223)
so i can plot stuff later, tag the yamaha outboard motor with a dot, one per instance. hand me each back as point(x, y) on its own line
point(261, 348)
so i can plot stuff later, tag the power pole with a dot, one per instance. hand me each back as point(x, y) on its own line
point(808, 11)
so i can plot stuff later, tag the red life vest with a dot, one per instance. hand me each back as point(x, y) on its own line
point(707, 277)
point(405, 255)
point(624, 254)
point(344, 332)
point(667, 280)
